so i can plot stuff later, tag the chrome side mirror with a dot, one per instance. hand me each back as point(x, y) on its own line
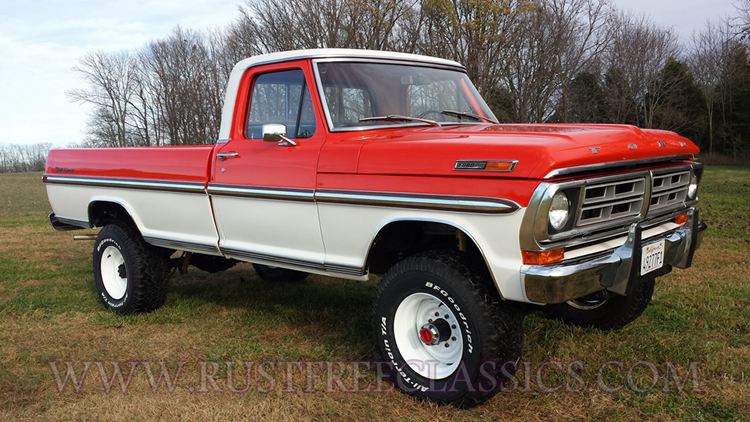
point(273, 132)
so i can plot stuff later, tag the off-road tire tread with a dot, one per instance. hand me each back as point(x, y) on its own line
point(150, 282)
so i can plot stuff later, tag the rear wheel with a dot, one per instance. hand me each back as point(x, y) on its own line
point(130, 275)
point(442, 333)
point(604, 310)
point(270, 273)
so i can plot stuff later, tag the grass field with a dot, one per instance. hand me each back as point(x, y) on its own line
point(49, 313)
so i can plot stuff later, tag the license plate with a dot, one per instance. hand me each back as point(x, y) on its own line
point(652, 257)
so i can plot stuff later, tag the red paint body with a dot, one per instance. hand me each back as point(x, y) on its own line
point(406, 159)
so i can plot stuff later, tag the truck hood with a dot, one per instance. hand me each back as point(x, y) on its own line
point(538, 148)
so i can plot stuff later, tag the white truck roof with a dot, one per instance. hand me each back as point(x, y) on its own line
point(318, 53)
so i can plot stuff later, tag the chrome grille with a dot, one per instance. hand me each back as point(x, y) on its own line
point(604, 207)
point(609, 201)
point(668, 190)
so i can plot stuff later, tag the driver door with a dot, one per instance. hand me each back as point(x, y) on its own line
point(261, 191)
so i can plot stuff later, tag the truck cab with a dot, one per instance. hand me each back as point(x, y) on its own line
point(354, 163)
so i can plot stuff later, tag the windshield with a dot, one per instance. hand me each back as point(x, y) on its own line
point(355, 93)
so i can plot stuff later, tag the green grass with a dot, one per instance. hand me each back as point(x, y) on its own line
point(49, 312)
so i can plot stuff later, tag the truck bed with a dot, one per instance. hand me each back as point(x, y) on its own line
point(186, 164)
point(163, 189)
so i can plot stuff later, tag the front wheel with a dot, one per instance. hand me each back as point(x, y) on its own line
point(130, 275)
point(606, 311)
point(443, 333)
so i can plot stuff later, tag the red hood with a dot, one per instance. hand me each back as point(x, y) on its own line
point(539, 149)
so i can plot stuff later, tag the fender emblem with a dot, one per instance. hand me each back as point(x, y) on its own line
point(662, 144)
point(632, 146)
point(595, 150)
point(486, 165)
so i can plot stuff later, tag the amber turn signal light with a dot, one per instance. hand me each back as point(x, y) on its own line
point(681, 219)
point(500, 165)
point(551, 256)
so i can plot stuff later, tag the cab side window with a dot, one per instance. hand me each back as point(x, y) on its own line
point(281, 98)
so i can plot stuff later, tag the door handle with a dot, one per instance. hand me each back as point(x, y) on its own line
point(225, 155)
point(286, 142)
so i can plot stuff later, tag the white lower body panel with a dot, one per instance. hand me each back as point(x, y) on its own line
point(177, 217)
point(348, 231)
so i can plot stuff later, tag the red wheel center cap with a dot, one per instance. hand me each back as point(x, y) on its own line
point(426, 335)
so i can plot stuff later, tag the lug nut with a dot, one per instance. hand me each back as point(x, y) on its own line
point(447, 345)
point(437, 313)
point(429, 320)
point(453, 338)
point(447, 316)
point(453, 326)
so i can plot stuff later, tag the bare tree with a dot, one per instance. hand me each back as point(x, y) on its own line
point(186, 85)
point(22, 158)
point(638, 54)
point(708, 61)
point(741, 22)
point(294, 24)
point(472, 32)
point(111, 79)
point(547, 46)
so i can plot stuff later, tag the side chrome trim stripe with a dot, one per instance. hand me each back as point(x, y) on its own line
point(434, 202)
point(485, 205)
point(613, 165)
point(262, 192)
point(189, 187)
point(331, 268)
point(182, 246)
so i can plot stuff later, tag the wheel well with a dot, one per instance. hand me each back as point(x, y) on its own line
point(400, 239)
point(104, 212)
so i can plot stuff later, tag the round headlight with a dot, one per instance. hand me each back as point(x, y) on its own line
point(559, 211)
point(693, 186)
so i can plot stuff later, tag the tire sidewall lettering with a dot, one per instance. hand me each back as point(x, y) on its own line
point(466, 329)
point(407, 377)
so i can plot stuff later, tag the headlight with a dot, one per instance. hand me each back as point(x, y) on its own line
point(693, 186)
point(559, 211)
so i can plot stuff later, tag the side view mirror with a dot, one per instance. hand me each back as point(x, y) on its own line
point(273, 132)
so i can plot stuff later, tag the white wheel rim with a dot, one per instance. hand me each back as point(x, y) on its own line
point(586, 305)
point(433, 361)
point(111, 262)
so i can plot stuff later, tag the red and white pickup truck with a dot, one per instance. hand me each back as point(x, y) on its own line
point(350, 163)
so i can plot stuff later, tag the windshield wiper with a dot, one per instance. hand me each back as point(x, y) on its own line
point(400, 118)
point(460, 114)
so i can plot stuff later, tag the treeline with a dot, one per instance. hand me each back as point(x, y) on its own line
point(533, 61)
point(22, 158)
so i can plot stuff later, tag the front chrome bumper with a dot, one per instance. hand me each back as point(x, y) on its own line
point(616, 271)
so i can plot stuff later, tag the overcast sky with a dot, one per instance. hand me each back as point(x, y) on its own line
point(41, 41)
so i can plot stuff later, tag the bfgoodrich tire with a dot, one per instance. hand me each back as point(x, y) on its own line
point(269, 273)
point(129, 274)
point(607, 311)
point(469, 343)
